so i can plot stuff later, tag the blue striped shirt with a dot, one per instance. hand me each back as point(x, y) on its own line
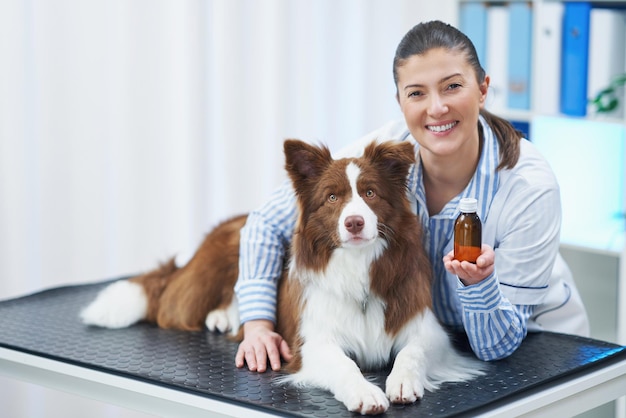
point(495, 326)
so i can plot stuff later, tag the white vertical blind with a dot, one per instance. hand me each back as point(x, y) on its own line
point(128, 128)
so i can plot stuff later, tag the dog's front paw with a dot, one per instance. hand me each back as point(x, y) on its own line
point(365, 398)
point(404, 387)
point(118, 305)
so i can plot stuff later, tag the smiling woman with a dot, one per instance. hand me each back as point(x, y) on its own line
point(441, 95)
point(462, 152)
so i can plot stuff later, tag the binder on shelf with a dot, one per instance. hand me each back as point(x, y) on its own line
point(520, 50)
point(523, 126)
point(497, 56)
point(546, 63)
point(473, 23)
point(574, 63)
point(607, 53)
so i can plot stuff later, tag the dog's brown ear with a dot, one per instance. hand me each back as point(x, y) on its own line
point(393, 157)
point(305, 162)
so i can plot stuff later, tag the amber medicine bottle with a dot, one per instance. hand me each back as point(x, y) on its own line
point(467, 232)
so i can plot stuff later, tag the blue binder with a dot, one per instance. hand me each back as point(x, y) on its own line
point(519, 60)
point(473, 23)
point(574, 64)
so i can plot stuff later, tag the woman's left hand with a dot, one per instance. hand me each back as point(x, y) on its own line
point(470, 273)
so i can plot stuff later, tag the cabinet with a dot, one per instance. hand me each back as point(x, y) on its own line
point(529, 34)
point(587, 152)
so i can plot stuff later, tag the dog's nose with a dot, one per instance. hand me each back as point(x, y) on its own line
point(354, 224)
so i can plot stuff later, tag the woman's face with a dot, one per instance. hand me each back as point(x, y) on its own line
point(440, 99)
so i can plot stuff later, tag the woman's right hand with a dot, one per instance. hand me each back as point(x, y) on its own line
point(259, 344)
point(472, 273)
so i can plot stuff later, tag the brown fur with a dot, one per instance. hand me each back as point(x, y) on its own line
point(288, 313)
point(402, 277)
point(182, 297)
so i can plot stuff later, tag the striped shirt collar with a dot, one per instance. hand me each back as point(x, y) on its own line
point(482, 186)
point(438, 229)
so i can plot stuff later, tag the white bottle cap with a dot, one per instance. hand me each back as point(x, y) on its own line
point(468, 205)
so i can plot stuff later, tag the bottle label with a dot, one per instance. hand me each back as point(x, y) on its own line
point(466, 253)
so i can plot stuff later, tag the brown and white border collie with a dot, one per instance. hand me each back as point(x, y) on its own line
point(356, 293)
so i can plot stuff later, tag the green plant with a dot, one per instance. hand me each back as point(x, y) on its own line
point(607, 99)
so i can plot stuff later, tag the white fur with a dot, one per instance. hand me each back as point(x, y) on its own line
point(118, 305)
point(425, 357)
point(224, 320)
point(357, 206)
point(342, 322)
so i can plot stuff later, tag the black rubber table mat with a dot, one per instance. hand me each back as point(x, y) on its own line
point(47, 324)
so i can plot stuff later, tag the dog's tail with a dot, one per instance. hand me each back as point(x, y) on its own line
point(454, 367)
point(180, 298)
point(128, 301)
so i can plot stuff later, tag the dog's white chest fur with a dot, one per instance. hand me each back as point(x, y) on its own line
point(343, 328)
point(340, 308)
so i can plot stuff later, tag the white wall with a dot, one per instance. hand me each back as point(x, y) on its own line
point(129, 127)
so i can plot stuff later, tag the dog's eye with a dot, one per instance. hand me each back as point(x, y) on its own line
point(332, 198)
point(370, 193)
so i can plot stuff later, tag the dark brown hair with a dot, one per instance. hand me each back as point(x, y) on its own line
point(436, 34)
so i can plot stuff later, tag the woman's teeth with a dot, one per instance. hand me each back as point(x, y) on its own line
point(441, 128)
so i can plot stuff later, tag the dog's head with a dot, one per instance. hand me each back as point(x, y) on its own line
point(347, 203)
